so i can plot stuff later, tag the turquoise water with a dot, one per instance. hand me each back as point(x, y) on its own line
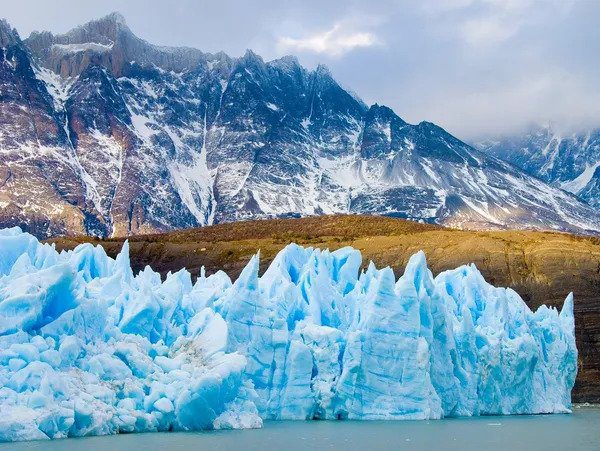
point(578, 431)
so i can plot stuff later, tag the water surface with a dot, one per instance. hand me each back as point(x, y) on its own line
point(580, 430)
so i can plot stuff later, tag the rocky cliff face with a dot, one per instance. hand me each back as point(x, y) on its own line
point(567, 160)
point(106, 42)
point(39, 175)
point(106, 134)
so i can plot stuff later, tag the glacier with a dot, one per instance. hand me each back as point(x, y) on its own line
point(87, 347)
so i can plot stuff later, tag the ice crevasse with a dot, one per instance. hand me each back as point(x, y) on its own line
point(89, 348)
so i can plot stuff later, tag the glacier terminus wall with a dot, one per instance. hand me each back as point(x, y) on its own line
point(89, 348)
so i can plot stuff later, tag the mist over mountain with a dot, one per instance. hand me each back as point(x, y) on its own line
point(566, 159)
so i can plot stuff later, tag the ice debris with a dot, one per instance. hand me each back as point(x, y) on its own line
point(89, 348)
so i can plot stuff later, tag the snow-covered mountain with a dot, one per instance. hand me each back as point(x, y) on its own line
point(104, 133)
point(567, 160)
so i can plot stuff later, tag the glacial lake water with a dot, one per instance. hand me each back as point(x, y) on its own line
point(578, 431)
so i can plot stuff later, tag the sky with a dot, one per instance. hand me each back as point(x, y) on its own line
point(478, 68)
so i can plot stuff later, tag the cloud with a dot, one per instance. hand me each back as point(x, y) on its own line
point(484, 23)
point(334, 42)
point(546, 95)
point(486, 31)
point(497, 22)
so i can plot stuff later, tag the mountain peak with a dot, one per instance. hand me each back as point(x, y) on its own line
point(380, 109)
point(8, 35)
point(286, 63)
point(384, 113)
point(104, 30)
point(115, 17)
point(251, 57)
point(112, 44)
point(323, 70)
